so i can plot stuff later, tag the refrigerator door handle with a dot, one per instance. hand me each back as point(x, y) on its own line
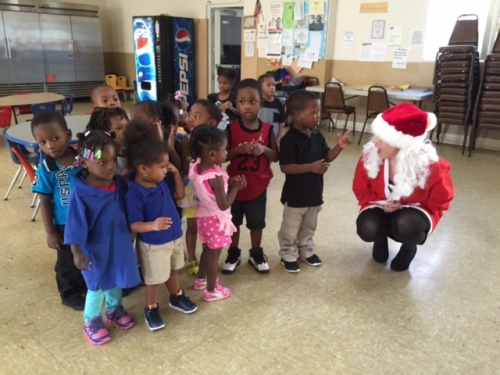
point(71, 49)
point(75, 49)
point(9, 54)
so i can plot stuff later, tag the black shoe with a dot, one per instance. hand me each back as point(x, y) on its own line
point(153, 318)
point(182, 303)
point(401, 262)
point(75, 301)
point(233, 260)
point(259, 260)
point(380, 252)
point(313, 260)
point(292, 267)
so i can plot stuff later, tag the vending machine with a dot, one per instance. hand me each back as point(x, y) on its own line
point(164, 57)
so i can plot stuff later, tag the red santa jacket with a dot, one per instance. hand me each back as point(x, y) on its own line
point(432, 201)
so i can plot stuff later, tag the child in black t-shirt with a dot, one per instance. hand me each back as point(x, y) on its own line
point(304, 159)
point(225, 99)
point(272, 110)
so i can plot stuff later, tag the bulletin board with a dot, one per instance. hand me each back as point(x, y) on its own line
point(293, 32)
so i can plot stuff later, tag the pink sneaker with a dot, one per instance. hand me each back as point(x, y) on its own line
point(220, 292)
point(200, 284)
point(96, 331)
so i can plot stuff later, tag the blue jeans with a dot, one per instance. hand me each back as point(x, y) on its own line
point(94, 300)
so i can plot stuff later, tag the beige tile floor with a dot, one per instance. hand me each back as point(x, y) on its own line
point(350, 316)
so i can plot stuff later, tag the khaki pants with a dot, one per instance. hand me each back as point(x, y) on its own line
point(297, 230)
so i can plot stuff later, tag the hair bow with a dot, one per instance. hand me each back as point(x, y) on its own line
point(178, 95)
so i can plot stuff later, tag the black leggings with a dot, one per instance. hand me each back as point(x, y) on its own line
point(406, 225)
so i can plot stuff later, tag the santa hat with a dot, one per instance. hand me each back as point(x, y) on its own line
point(403, 126)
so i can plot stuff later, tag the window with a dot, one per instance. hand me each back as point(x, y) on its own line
point(441, 18)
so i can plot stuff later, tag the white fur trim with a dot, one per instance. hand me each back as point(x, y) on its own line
point(431, 121)
point(393, 137)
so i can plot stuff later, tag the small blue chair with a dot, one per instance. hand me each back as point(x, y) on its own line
point(67, 105)
point(32, 158)
point(42, 107)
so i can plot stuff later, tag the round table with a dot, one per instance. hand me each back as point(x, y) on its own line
point(16, 101)
point(21, 133)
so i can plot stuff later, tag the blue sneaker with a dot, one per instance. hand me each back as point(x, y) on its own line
point(153, 318)
point(182, 303)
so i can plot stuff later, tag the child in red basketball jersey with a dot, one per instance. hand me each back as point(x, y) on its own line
point(251, 149)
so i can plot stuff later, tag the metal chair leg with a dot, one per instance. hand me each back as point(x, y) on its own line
point(35, 196)
point(466, 133)
point(331, 123)
point(346, 120)
point(36, 210)
point(362, 131)
point(354, 125)
point(22, 179)
point(16, 176)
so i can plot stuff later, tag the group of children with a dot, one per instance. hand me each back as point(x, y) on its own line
point(138, 178)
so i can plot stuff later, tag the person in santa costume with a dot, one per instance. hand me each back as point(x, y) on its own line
point(402, 185)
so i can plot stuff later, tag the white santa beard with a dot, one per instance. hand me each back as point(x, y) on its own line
point(412, 167)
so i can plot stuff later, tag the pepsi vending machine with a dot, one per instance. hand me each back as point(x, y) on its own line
point(164, 56)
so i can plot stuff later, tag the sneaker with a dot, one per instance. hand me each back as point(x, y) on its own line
point(96, 331)
point(292, 267)
point(313, 260)
point(233, 260)
point(75, 301)
point(193, 268)
point(258, 260)
point(220, 292)
point(200, 284)
point(120, 318)
point(153, 318)
point(182, 303)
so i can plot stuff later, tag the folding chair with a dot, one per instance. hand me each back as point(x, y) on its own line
point(378, 102)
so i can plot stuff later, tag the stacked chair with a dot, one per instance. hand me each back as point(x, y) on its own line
point(456, 77)
point(487, 109)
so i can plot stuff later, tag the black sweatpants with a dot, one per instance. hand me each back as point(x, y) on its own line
point(69, 278)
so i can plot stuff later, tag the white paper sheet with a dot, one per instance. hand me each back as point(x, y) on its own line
point(348, 39)
point(417, 36)
point(262, 31)
point(262, 42)
point(304, 63)
point(395, 35)
point(378, 28)
point(249, 22)
point(373, 51)
point(249, 49)
point(287, 37)
point(262, 52)
point(315, 39)
point(249, 35)
point(400, 58)
point(274, 47)
point(289, 50)
point(275, 16)
point(298, 11)
point(312, 54)
point(287, 60)
point(301, 36)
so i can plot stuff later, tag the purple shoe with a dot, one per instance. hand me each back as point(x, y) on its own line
point(96, 331)
point(121, 318)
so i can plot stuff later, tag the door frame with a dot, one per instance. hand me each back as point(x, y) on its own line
point(211, 57)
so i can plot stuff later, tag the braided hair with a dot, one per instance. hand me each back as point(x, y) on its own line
point(144, 147)
point(101, 118)
point(205, 137)
point(93, 141)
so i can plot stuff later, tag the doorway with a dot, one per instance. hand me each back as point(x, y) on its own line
point(225, 41)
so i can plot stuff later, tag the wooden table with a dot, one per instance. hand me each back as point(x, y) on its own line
point(21, 134)
point(415, 96)
point(16, 101)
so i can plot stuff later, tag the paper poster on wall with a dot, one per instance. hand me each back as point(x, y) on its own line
point(400, 58)
point(317, 7)
point(316, 22)
point(287, 37)
point(262, 52)
point(287, 60)
point(249, 23)
point(315, 40)
point(304, 62)
point(275, 17)
point(262, 31)
point(288, 21)
point(417, 36)
point(262, 42)
point(249, 49)
point(301, 36)
point(311, 54)
point(374, 7)
point(373, 51)
point(378, 28)
point(348, 39)
point(274, 46)
point(395, 36)
point(249, 35)
point(298, 11)
point(274, 62)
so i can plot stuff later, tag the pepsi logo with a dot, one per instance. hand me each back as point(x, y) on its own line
point(183, 39)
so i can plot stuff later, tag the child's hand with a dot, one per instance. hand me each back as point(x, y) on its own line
point(392, 206)
point(171, 136)
point(159, 129)
point(162, 223)
point(239, 182)
point(226, 105)
point(319, 167)
point(343, 140)
point(245, 148)
point(81, 261)
point(54, 241)
point(171, 168)
point(258, 149)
